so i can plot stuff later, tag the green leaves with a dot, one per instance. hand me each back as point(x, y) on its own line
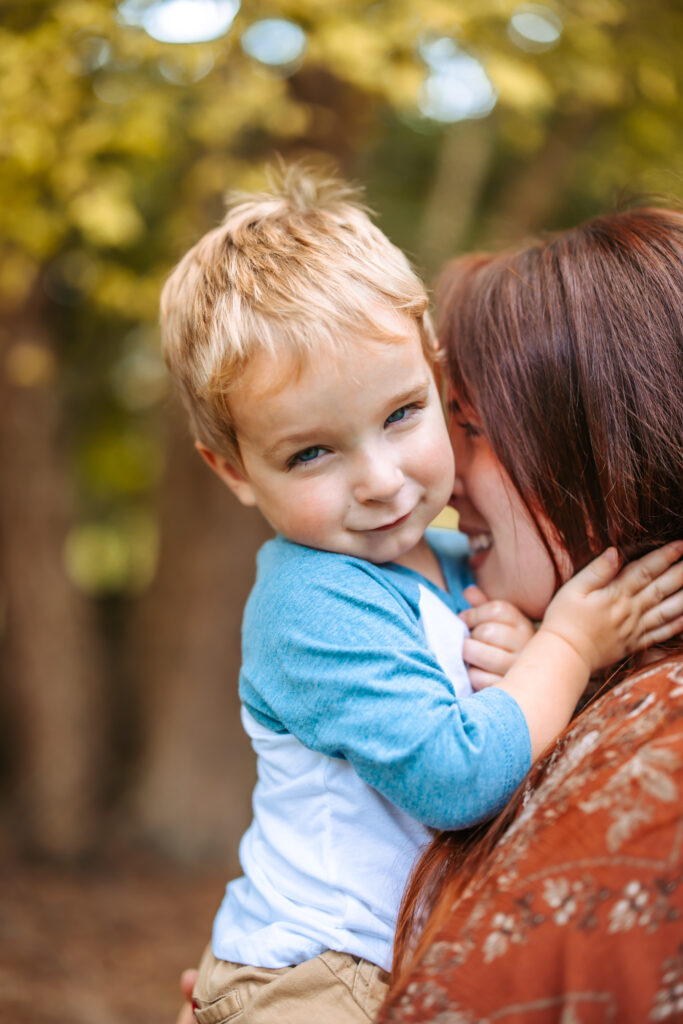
point(116, 150)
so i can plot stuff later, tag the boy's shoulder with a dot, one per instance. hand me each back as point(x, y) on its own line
point(291, 578)
point(283, 554)
point(289, 568)
point(296, 585)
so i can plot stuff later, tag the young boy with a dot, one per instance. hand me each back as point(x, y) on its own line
point(300, 340)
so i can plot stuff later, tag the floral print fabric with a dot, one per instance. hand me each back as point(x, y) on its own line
point(577, 917)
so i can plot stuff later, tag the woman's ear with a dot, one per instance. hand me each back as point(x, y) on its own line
point(232, 477)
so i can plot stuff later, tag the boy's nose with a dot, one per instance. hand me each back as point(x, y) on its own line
point(378, 480)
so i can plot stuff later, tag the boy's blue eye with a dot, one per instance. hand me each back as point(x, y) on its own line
point(399, 414)
point(307, 455)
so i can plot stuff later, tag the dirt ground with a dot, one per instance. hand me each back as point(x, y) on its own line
point(103, 945)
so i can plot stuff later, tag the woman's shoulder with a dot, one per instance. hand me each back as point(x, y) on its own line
point(647, 703)
point(618, 763)
point(582, 898)
point(608, 784)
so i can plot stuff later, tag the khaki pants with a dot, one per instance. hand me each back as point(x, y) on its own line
point(333, 988)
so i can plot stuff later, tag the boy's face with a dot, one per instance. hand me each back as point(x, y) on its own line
point(351, 455)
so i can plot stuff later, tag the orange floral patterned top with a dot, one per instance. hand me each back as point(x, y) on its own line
point(577, 916)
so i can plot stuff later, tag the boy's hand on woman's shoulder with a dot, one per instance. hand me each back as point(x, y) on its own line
point(606, 612)
point(498, 633)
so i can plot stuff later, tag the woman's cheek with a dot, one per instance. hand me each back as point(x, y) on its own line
point(519, 569)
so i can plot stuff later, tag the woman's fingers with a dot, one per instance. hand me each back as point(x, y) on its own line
point(186, 1015)
point(187, 983)
point(188, 980)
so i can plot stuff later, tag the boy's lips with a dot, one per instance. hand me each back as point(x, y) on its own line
point(390, 526)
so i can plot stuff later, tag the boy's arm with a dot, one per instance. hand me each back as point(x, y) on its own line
point(336, 659)
point(594, 620)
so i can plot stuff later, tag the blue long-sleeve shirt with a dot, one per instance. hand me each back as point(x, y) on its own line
point(360, 711)
point(334, 652)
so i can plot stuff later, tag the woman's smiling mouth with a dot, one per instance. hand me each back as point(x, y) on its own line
point(480, 545)
point(480, 542)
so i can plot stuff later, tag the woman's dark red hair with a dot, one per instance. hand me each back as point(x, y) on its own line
point(569, 351)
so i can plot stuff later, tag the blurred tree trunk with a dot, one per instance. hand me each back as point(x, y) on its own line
point(197, 771)
point(527, 202)
point(524, 205)
point(51, 656)
point(453, 199)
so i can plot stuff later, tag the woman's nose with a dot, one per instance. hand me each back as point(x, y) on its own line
point(458, 486)
point(378, 479)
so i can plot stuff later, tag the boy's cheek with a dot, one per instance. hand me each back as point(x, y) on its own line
point(305, 519)
point(437, 463)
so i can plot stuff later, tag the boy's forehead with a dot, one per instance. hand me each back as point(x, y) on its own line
point(387, 321)
point(274, 393)
point(268, 373)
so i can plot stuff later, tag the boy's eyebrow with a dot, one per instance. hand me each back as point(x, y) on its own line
point(297, 439)
point(417, 392)
point(412, 394)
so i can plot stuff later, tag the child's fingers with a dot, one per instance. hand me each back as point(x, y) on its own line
point(493, 611)
point(493, 660)
point(481, 679)
point(508, 638)
point(657, 635)
point(660, 590)
point(638, 575)
point(598, 573)
point(663, 615)
point(474, 596)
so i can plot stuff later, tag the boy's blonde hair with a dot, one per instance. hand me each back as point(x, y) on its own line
point(291, 271)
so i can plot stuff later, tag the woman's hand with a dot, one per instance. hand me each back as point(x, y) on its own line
point(498, 632)
point(605, 614)
point(187, 982)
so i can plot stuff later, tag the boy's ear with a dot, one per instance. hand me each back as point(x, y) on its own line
point(231, 477)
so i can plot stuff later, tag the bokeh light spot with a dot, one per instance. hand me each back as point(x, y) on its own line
point(274, 41)
point(534, 28)
point(181, 21)
point(457, 86)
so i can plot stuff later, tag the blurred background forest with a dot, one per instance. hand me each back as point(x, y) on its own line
point(123, 564)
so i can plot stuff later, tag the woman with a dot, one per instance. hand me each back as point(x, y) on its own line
point(566, 362)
